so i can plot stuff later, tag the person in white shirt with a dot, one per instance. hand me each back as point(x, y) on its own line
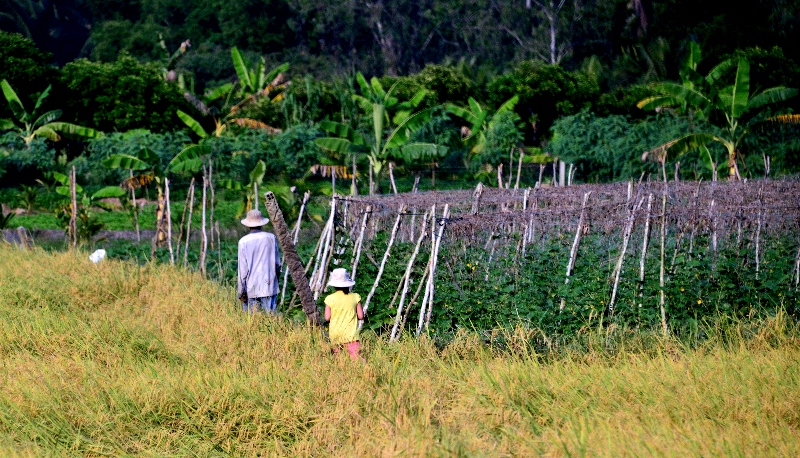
point(259, 266)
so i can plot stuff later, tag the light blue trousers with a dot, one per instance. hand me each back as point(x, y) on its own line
point(266, 304)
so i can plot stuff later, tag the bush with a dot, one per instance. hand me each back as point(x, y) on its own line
point(610, 148)
point(546, 92)
point(22, 163)
point(121, 95)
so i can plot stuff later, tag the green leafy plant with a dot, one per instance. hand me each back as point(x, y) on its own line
point(30, 125)
point(711, 99)
point(383, 145)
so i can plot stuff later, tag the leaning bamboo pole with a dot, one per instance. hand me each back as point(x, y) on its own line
point(73, 216)
point(204, 238)
point(183, 220)
point(407, 278)
point(645, 241)
point(519, 169)
point(661, 279)
point(573, 253)
point(211, 203)
point(292, 259)
point(189, 225)
point(385, 258)
point(135, 210)
point(169, 221)
point(432, 277)
point(360, 242)
point(391, 177)
point(625, 239)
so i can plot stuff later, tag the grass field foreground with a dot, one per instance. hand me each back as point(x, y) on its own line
point(119, 359)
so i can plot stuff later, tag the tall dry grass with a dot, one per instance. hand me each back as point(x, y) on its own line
point(117, 359)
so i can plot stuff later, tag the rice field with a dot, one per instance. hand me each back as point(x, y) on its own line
point(117, 359)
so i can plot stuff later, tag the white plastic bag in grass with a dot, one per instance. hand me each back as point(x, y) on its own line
point(97, 256)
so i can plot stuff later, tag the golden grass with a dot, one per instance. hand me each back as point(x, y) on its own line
point(116, 359)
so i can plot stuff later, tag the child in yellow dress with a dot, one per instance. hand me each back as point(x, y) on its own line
point(343, 310)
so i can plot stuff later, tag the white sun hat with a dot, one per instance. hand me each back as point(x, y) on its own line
point(255, 219)
point(340, 279)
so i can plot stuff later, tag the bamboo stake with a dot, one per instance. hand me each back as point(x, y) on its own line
point(661, 271)
point(407, 278)
point(713, 218)
point(169, 221)
point(625, 239)
point(219, 249)
point(541, 171)
point(758, 240)
point(391, 177)
point(432, 277)
point(204, 245)
point(476, 198)
point(645, 241)
point(183, 220)
point(519, 169)
point(569, 175)
point(318, 286)
point(500, 176)
point(360, 242)
point(385, 258)
point(135, 209)
point(573, 253)
point(189, 225)
point(255, 196)
point(73, 218)
point(422, 282)
point(353, 186)
point(371, 182)
point(333, 180)
point(416, 185)
point(211, 204)
point(797, 269)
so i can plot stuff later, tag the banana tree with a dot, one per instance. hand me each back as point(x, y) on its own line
point(250, 189)
point(32, 125)
point(391, 134)
point(480, 120)
point(714, 101)
point(147, 164)
point(254, 82)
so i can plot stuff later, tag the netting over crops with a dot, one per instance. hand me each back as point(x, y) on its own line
point(561, 232)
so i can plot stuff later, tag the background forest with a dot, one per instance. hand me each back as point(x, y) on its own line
point(576, 71)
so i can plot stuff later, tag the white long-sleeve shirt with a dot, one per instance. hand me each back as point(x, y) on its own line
point(259, 264)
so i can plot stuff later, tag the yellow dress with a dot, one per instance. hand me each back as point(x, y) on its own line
point(344, 319)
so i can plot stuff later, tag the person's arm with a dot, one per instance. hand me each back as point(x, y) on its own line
point(241, 287)
point(359, 311)
point(327, 313)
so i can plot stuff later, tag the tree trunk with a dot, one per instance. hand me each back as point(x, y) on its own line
point(292, 259)
point(306, 196)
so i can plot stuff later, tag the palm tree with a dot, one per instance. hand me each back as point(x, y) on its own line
point(32, 125)
point(710, 99)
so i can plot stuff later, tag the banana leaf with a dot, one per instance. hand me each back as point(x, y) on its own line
point(72, 130)
point(240, 66)
point(14, 103)
point(125, 161)
point(741, 89)
point(109, 191)
point(193, 124)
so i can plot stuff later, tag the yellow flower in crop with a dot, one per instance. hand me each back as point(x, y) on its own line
point(699, 301)
point(681, 289)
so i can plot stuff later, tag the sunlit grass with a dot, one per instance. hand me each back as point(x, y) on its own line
point(119, 359)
